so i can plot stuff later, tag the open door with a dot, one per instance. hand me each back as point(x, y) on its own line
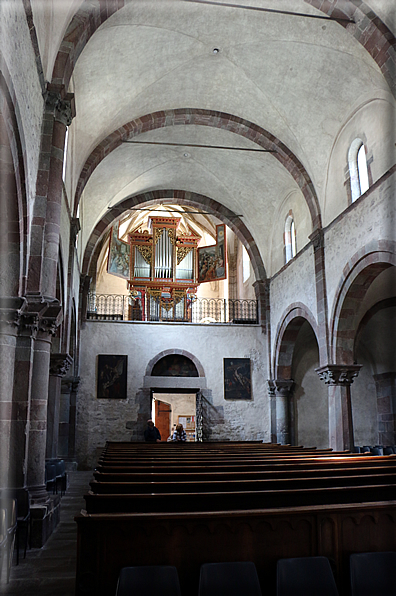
point(162, 418)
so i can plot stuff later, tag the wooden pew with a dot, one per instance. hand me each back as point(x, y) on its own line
point(253, 474)
point(184, 506)
point(108, 542)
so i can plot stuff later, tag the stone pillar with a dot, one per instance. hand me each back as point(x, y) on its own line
point(12, 418)
point(59, 365)
point(47, 208)
point(48, 321)
point(67, 422)
point(317, 239)
point(261, 290)
point(339, 378)
point(85, 281)
point(272, 398)
point(282, 395)
point(385, 384)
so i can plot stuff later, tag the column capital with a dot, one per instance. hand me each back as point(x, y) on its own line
point(284, 386)
point(41, 314)
point(317, 238)
point(60, 364)
point(338, 374)
point(75, 227)
point(64, 111)
point(271, 387)
point(59, 104)
point(11, 310)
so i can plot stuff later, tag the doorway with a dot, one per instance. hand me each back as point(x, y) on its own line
point(171, 407)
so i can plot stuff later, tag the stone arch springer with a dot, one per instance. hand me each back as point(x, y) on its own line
point(211, 118)
point(177, 197)
point(357, 276)
point(285, 337)
point(175, 352)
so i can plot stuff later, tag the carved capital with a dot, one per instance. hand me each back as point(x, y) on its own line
point(284, 386)
point(51, 99)
point(338, 374)
point(63, 112)
point(52, 318)
point(41, 314)
point(317, 239)
point(30, 323)
point(75, 384)
point(271, 388)
point(74, 229)
point(11, 310)
point(60, 364)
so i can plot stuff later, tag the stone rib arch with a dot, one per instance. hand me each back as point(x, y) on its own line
point(358, 275)
point(286, 333)
point(14, 238)
point(177, 197)
point(211, 118)
point(369, 30)
point(173, 352)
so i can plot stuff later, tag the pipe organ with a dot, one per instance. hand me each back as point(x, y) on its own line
point(163, 271)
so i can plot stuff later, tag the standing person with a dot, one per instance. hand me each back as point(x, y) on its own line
point(152, 434)
point(179, 435)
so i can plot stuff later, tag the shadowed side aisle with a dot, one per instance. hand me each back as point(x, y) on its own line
point(52, 569)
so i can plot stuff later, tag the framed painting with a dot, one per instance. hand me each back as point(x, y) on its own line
point(237, 378)
point(119, 255)
point(212, 259)
point(112, 376)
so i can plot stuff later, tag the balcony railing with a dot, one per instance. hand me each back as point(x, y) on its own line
point(118, 307)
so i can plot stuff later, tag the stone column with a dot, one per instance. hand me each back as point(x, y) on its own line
point(12, 417)
point(385, 384)
point(317, 239)
point(59, 365)
point(339, 378)
point(73, 422)
point(64, 418)
point(47, 208)
point(47, 324)
point(283, 395)
point(272, 398)
point(261, 290)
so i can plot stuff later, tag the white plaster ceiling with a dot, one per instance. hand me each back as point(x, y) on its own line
point(298, 78)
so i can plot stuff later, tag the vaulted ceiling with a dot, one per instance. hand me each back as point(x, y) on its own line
point(182, 78)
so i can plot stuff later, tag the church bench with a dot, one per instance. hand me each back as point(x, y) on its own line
point(240, 485)
point(108, 542)
point(271, 464)
point(237, 500)
point(204, 474)
point(101, 479)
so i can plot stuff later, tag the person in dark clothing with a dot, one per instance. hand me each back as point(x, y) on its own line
point(152, 434)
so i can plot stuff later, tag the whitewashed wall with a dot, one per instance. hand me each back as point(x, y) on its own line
point(111, 419)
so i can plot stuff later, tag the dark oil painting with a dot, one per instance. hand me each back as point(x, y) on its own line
point(237, 378)
point(112, 376)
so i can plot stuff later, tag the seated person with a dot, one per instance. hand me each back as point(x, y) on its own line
point(152, 434)
point(179, 435)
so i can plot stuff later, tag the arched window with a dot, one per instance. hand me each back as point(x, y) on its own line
point(358, 173)
point(290, 238)
point(245, 265)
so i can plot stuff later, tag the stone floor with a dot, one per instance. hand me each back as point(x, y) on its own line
point(50, 570)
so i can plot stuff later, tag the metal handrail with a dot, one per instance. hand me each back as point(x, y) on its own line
point(120, 307)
